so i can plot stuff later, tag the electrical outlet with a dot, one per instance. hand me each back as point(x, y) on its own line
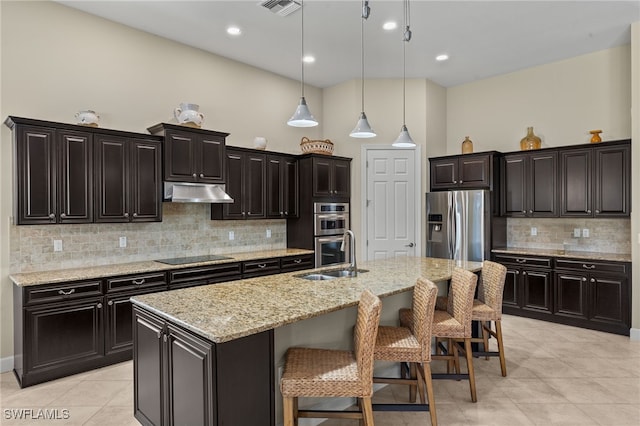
point(585, 232)
point(534, 231)
point(123, 242)
point(232, 236)
point(268, 233)
point(576, 232)
point(57, 245)
point(638, 237)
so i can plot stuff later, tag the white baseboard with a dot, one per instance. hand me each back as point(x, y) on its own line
point(635, 334)
point(6, 364)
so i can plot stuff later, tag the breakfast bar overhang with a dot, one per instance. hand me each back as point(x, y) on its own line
point(209, 355)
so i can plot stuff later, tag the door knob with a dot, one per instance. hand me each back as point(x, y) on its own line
point(410, 245)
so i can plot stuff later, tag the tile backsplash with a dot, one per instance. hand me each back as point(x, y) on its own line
point(604, 235)
point(185, 230)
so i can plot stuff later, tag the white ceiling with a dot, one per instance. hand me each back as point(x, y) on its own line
point(483, 38)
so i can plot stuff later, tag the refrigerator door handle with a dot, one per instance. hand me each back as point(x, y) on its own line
point(452, 228)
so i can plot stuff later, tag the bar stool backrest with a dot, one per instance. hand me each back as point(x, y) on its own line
point(424, 304)
point(364, 338)
point(463, 288)
point(491, 288)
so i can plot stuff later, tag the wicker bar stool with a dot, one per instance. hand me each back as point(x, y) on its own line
point(333, 373)
point(487, 308)
point(413, 346)
point(452, 325)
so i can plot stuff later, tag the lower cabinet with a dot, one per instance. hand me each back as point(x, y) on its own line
point(183, 379)
point(528, 285)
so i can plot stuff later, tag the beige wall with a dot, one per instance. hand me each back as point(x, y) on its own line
point(57, 61)
point(635, 177)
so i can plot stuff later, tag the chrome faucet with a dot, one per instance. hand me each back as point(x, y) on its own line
point(353, 267)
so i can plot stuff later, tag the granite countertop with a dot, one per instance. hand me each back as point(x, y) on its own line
point(228, 311)
point(74, 274)
point(588, 255)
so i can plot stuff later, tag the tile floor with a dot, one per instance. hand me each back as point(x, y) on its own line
point(557, 375)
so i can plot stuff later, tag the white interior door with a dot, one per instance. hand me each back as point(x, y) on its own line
point(392, 205)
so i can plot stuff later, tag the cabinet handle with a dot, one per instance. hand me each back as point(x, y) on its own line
point(158, 334)
point(67, 293)
point(110, 303)
point(63, 215)
point(597, 211)
point(52, 216)
point(589, 211)
point(593, 280)
point(524, 212)
point(281, 213)
point(138, 282)
point(126, 215)
point(455, 181)
point(99, 306)
point(585, 266)
point(521, 260)
point(286, 213)
point(524, 272)
point(262, 265)
point(461, 181)
point(135, 215)
point(584, 278)
point(201, 175)
point(194, 175)
point(530, 211)
point(164, 337)
point(517, 272)
point(244, 214)
point(297, 261)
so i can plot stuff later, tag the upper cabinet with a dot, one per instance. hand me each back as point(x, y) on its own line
point(331, 177)
point(282, 186)
point(468, 171)
point(529, 184)
point(596, 181)
point(192, 155)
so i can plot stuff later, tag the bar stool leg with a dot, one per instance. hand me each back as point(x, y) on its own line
point(412, 375)
point(367, 411)
point(503, 362)
point(472, 377)
point(426, 369)
point(288, 410)
point(486, 326)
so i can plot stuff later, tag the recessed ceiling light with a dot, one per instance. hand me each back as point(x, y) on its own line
point(234, 31)
point(442, 57)
point(308, 59)
point(390, 25)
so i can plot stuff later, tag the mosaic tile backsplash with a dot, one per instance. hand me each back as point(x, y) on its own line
point(605, 235)
point(185, 230)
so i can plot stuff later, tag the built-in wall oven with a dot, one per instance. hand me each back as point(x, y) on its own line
point(331, 220)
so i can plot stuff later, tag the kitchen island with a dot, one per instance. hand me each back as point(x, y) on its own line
point(208, 355)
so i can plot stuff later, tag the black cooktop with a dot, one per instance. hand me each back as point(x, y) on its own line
point(193, 259)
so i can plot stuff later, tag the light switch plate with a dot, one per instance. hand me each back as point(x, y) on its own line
point(57, 245)
point(123, 242)
point(585, 232)
point(232, 236)
point(534, 231)
point(268, 233)
point(576, 232)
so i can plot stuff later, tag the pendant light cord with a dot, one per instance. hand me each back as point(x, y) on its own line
point(302, 45)
point(364, 6)
point(405, 39)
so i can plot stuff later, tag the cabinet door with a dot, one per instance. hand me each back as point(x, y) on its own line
point(444, 173)
point(148, 368)
point(511, 294)
point(145, 181)
point(63, 334)
point(542, 184)
point(190, 377)
point(321, 175)
point(290, 187)
point(210, 159)
point(255, 186)
point(235, 178)
point(341, 178)
point(609, 299)
point(112, 179)
point(180, 156)
point(612, 192)
point(536, 286)
point(575, 183)
point(514, 194)
point(571, 295)
point(35, 150)
point(275, 186)
point(475, 172)
point(119, 330)
point(75, 180)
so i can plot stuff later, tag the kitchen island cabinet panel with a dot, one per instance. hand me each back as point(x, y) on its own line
point(149, 357)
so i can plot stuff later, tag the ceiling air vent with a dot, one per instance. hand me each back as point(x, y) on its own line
point(280, 7)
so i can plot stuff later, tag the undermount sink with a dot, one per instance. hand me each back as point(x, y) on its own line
point(329, 275)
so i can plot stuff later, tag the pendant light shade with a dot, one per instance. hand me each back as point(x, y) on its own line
point(404, 139)
point(363, 128)
point(302, 117)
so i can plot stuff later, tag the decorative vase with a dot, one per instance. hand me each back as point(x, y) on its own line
point(530, 141)
point(187, 114)
point(260, 143)
point(467, 145)
point(596, 136)
point(87, 118)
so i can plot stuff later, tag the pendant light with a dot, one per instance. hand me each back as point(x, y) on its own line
point(302, 117)
point(363, 129)
point(404, 139)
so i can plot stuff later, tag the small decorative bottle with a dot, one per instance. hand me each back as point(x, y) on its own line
point(467, 145)
point(530, 141)
point(596, 136)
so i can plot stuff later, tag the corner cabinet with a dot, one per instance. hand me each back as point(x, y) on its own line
point(191, 154)
point(181, 378)
point(528, 285)
point(467, 171)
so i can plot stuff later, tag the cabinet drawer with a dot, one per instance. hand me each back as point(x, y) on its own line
point(256, 268)
point(204, 275)
point(133, 282)
point(542, 262)
point(59, 292)
point(296, 263)
point(587, 265)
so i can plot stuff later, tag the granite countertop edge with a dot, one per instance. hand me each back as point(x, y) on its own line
point(142, 267)
point(573, 254)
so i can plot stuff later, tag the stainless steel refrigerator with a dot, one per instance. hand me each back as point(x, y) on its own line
point(461, 225)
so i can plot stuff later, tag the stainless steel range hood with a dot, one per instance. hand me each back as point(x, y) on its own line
point(186, 192)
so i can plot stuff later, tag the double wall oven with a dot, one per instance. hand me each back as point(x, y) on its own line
point(330, 222)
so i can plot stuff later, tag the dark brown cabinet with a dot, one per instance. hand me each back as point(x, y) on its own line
point(128, 179)
point(529, 184)
point(54, 170)
point(200, 275)
point(182, 379)
point(282, 186)
point(595, 182)
point(469, 171)
point(529, 284)
point(192, 155)
point(246, 184)
point(331, 177)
